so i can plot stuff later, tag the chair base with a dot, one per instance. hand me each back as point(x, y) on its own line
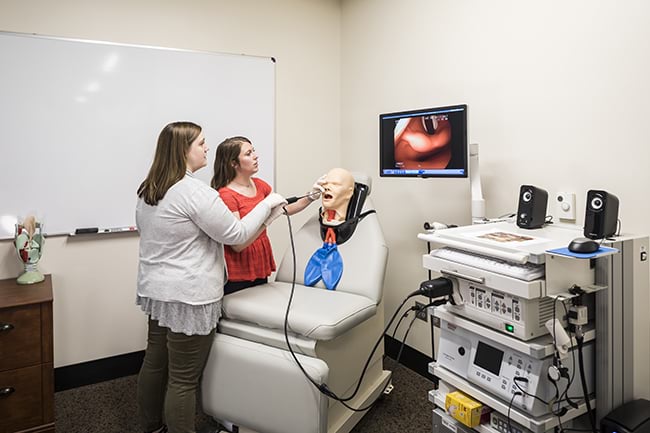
point(261, 389)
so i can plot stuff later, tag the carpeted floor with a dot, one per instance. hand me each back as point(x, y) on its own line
point(109, 407)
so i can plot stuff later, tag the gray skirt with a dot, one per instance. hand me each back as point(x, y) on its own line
point(182, 318)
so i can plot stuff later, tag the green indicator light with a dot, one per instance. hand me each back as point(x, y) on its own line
point(510, 328)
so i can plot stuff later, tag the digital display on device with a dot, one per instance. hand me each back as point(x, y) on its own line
point(429, 142)
point(489, 358)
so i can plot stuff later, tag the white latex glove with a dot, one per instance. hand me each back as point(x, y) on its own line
point(275, 213)
point(276, 202)
point(317, 188)
point(274, 199)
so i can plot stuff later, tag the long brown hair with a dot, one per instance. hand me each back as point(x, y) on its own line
point(170, 160)
point(225, 161)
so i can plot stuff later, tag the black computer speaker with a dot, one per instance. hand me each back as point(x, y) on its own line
point(531, 213)
point(601, 214)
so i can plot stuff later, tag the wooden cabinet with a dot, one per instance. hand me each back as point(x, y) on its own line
point(26, 352)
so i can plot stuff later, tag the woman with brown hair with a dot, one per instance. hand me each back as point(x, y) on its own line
point(183, 224)
point(235, 165)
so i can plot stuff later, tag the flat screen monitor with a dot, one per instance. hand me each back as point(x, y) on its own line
point(429, 142)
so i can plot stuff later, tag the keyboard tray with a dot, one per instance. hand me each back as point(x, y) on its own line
point(513, 286)
point(526, 271)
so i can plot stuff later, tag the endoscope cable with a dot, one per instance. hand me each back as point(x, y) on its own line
point(322, 387)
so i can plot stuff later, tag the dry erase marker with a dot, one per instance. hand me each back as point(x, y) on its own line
point(120, 229)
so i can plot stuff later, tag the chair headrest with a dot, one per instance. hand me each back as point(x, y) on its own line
point(345, 230)
point(364, 179)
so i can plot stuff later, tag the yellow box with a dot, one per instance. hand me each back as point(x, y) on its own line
point(463, 408)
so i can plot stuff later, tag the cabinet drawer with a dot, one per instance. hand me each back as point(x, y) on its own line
point(20, 337)
point(21, 405)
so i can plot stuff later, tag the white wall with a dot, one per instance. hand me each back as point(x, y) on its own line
point(558, 97)
point(556, 92)
point(94, 280)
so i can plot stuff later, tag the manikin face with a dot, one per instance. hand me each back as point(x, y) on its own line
point(339, 186)
point(197, 154)
point(248, 164)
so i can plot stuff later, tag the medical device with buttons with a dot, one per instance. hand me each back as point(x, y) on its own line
point(503, 277)
point(502, 424)
point(504, 365)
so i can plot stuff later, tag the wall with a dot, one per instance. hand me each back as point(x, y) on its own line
point(557, 94)
point(94, 280)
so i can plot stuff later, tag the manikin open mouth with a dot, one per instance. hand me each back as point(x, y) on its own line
point(327, 196)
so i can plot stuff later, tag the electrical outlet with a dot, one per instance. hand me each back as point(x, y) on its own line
point(566, 205)
point(423, 313)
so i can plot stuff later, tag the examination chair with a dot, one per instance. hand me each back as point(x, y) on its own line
point(252, 380)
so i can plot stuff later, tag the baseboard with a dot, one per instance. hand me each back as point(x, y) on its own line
point(100, 370)
point(411, 358)
point(114, 367)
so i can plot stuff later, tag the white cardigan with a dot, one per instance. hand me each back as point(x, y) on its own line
point(181, 242)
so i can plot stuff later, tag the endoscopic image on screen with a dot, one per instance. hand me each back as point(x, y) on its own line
point(425, 143)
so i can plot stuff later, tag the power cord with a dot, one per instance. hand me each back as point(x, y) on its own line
point(406, 334)
point(515, 394)
point(592, 416)
point(579, 336)
point(431, 326)
point(404, 315)
point(555, 404)
point(563, 372)
point(577, 332)
point(522, 391)
point(565, 396)
point(417, 309)
point(431, 288)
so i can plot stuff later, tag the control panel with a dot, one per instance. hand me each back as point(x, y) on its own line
point(502, 424)
point(513, 315)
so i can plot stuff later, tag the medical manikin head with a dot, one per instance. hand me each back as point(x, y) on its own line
point(338, 189)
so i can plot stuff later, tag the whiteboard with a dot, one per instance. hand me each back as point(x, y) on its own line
point(79, 122)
